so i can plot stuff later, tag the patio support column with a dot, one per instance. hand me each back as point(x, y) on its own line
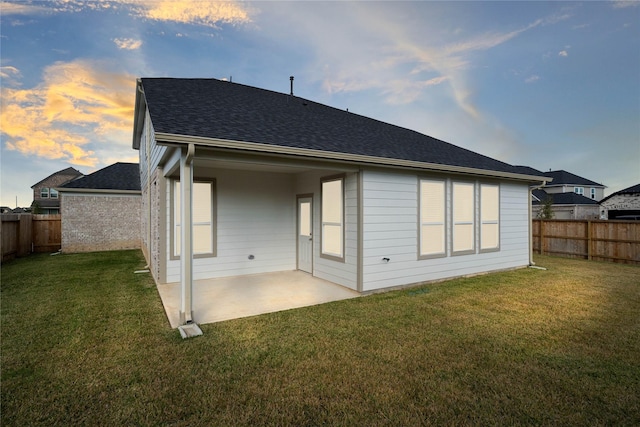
point(186, 234)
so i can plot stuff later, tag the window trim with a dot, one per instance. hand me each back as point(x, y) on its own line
point(593, 193)
point(474, 222)
point(332, 257)
point(579, 190)
point(214, 219)
point(44, 192)
point(445, 222)
point(51, 195)
point(481, 222)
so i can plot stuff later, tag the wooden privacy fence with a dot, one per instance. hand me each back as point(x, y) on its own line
point(616, 241)
point(22, 234)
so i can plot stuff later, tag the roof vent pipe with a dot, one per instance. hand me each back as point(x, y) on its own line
point(291, 79)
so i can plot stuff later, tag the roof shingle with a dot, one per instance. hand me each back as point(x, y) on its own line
point(211, 108)
point(118, 176)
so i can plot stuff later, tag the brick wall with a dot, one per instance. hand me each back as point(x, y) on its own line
point(96, 222)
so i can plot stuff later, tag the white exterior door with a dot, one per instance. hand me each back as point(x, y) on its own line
point(305, 234)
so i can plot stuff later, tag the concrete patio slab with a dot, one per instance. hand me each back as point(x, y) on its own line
point(215, 300)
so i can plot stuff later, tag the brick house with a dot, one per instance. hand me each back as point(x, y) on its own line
point(623, 204)
point(572, 196)
point(102, 211)
point(46, 199)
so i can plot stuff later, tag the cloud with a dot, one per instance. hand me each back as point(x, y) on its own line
point(371, 48)
point(563, 53)
point(201, 12)
point(78, 106)
point(128, 44)
point(621, 4)
point(190, 12)
point(10, 75)
point(7, 8)
point(532, 79)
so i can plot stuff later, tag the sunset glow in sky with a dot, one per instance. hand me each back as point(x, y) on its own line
point(551, 85)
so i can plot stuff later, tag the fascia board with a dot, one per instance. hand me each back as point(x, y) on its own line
point(173, 139)
point(138, 115)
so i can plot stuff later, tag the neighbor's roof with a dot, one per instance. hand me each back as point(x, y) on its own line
point(562, 198)
point(118, 177)
point(634, 189)
point(68, 171)
point(562, 177)
point(218, 110)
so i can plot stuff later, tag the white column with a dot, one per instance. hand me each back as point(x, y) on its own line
point(186, 234)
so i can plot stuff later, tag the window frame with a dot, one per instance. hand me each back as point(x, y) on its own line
point(579, 190)
point(444, 223)
point(473, 222)
point(172, 225)
point(44, 192)
point(483, 222)
point(593, 193)
point(51, 193)
point(323, 254)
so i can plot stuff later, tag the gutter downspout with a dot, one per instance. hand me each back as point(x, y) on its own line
point(531, 188)
point(186, 234)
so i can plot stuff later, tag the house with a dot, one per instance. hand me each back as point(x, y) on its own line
point(102, 211)
point(238, 180)
point(572, 196)
point(45, 195)
point(623, 204)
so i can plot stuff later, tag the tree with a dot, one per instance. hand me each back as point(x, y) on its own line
point(546, 212)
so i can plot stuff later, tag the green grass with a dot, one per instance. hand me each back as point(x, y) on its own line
point(86, 342)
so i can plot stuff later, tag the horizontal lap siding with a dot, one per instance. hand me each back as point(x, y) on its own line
point(342, 273)
point(390, 230)
point(255, 216)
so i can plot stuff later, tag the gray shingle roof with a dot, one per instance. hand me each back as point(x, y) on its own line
point(118, 176)
point(563, 198)
point(217, 109)
point(634, 189)
point(564, 177)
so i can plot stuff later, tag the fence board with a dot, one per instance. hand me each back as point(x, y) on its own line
point(47, 233)
point(617, 241)
point(22, 234)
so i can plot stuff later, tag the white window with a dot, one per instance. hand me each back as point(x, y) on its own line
point(53, 193)
point(579, 190)
point(432, 218)
point(463, 217)
point(489, 217)
point(44, 193)
point(203, 219)
point(593, 193)
point(333, 218)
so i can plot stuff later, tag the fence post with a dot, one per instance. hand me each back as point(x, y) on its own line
point(589, 236)
point(25, 234)
point(542, 237)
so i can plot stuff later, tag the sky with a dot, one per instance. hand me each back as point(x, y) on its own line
point(551, 85)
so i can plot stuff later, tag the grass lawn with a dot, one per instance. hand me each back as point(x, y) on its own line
point(85, 341)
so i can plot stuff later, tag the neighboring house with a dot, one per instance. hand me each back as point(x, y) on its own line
point(102, 211)
point(45, 195)
point(272, 182)
point(623, 204)
point(573, 197)
point(5, 209)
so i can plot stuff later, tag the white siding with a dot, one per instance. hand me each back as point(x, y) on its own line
point(342, 273)
point(150, 153)
point(255, 216)
point(390, 230)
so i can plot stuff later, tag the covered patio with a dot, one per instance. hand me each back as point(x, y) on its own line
point(216, 300)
